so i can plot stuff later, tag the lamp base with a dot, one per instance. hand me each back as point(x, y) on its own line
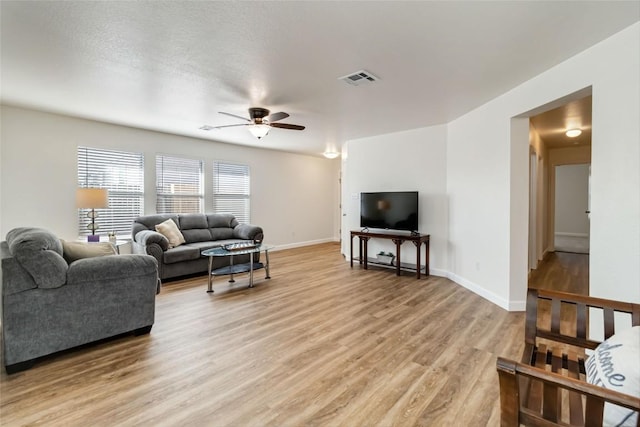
point(93, 238)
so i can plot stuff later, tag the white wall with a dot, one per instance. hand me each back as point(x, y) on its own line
point(487, 169)
point(293, 197)
point(405, 161)
point(572, 197)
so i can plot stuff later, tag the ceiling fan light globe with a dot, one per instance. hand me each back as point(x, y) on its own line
point(259, 131)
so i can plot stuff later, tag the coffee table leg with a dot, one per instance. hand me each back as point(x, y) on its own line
point(209, 289)
point(231, 280)
point(266, 266)
point(251, 270)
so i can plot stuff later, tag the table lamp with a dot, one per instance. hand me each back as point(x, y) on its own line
point(92, 198)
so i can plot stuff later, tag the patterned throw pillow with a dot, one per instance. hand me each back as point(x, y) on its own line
point(615, 365)
point(170, 230)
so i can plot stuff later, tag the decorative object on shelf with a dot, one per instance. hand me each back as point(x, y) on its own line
point(112, 237)
point(385, 257)
point(92, 198)
point(240, 246)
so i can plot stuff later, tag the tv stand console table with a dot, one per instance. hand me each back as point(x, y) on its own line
point(417, 239)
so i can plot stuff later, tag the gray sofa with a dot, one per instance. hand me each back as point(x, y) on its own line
point(49, 305)
point(200, 231)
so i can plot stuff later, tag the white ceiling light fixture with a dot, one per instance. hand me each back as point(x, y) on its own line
point(259, 131)
point(572, 133)
point(331, 154)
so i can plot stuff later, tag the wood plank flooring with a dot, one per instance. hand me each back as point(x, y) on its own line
point(319, 344)
point(562, 271)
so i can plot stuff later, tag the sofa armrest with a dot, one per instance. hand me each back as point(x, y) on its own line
point(248, 232)
point(148, 237)
point(113, 267)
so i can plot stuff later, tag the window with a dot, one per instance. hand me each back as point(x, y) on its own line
point(179, 185)
point(122, 173)
point(231, 190)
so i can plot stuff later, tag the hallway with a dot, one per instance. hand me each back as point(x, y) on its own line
point(562, 271)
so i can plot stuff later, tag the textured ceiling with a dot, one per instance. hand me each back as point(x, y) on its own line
point(172, 66)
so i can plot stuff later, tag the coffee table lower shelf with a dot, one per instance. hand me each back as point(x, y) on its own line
point(237, 269)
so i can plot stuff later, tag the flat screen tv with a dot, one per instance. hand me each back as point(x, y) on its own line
point(393, 210)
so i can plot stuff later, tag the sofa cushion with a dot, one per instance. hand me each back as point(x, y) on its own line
point(221, 221)
point(614, 365)
point(196, 235)
point(181, 253)
point(194, 228)
point(40, 253)
point(220, 233)
point(169, 229)
point(73, 251)
point(191, 221)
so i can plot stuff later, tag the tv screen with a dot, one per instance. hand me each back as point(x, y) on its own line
point(394, 210)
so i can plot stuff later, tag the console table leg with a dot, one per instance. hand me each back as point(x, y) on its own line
point(426, 264)
point(351, 251)
point(366, 253)
point(398, 244)
point(418, 260)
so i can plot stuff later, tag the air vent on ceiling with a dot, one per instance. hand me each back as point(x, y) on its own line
point(359, 78)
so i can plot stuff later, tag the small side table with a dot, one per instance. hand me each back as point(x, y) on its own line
point(119, 242)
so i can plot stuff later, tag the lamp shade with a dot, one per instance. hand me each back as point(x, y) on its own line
point(92, 198)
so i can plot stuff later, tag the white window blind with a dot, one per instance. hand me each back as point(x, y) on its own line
point(231, 192)
point(122, 173)
point(179, 185)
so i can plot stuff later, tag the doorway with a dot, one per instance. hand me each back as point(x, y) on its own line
point(571, 216)
point(559, 229)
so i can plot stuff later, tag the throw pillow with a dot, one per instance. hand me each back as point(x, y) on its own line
point(615, 365)
point(72, 251)
point(170, 230)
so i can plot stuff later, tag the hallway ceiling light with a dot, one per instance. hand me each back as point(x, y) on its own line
point(331, 154)
point(572, 133)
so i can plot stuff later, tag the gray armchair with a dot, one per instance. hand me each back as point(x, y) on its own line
point(49, 305)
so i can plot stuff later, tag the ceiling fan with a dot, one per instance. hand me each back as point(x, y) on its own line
point(260, 122)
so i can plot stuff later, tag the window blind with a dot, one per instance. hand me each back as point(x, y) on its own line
point(231, 192)
point(179, 185)
point(122, 173)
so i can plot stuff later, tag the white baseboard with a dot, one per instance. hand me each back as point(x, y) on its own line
point(302, 244)
point(488, 295)
point(561, 233)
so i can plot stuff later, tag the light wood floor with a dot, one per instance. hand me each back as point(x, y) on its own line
point(318, 344)
point(562, 271)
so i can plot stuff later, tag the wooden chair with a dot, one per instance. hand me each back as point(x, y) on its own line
point(548, 387)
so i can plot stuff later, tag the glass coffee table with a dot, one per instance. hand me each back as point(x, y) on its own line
point(231, 251)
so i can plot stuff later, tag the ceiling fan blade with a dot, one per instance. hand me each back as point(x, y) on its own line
point(277, 116)
point(286, 126)
point(230, 126)
point(233, 115)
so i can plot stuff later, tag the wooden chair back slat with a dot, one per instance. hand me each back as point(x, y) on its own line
point(530, 326)
point(594, 412)
point(556, 304)
point(581, 320)
point(575, 399)
point(609, 322)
